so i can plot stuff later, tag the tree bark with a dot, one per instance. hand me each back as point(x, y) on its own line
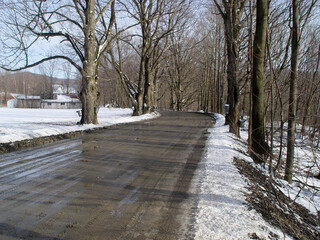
point(148, 97)
point(232, 75)
point(293, 91)
point(259, 146)
point(140, 92)
point(89, 93)
point(231, 17)
point(311, 95)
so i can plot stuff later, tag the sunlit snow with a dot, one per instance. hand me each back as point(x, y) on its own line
point(19, 124)
point(222, 209)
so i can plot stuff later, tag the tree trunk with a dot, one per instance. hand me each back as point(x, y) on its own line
point(231, 18)
point(232, 117)
point(89, 93)
point(258, 143)
point(272, 107)
point(311, 93)
point(148, 97)
point(171, 99)
point(293, 91)
point(140, 91)
point(250, 59)
point(179, 97)
point(137, 111)
point(89, 98)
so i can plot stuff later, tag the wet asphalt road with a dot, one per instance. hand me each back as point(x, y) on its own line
point(125, 182)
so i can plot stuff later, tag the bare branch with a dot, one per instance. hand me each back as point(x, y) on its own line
point(81, 15)
point(42, 61)
point(60, 34)
point(223, 14)
point(103, 10)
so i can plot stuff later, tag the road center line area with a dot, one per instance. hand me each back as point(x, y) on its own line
point(126, 182)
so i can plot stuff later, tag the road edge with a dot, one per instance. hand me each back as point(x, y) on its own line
point(39, 141)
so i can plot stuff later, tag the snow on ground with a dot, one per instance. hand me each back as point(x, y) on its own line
point(18, 124)
point(304, 190)
point(222, 209)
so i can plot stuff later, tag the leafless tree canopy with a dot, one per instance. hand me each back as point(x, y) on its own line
point(36, 31)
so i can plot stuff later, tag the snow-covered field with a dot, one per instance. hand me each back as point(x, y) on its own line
point(19, 124)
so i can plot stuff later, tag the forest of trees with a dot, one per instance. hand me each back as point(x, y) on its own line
point(259, 57)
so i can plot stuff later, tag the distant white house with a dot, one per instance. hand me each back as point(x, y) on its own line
point(62, 102)
point(23, 101)
point(59, 89)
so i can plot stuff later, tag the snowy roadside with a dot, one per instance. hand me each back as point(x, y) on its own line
point(17, 124)
point(222, 209)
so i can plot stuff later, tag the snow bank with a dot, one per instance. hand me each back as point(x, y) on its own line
point(222, 209)
point(18, 124)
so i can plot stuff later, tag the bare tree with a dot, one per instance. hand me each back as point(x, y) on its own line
point(258, 142)
point(295, 49)
point(80, 31)
point(4, 89)
point(293, 90)
point(310, 79)
point(67, 70)
point(157, 20)
point(231, 12)
point(180, 70)
point(49, 70)
point(278, 43)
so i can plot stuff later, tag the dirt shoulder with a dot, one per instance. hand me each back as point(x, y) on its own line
point(19, 145)
point(38, 141)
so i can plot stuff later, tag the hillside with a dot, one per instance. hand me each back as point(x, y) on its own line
point(32, 83)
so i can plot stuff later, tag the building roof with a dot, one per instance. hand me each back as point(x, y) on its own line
point(9, 95)
point(61, 99)
point(24, 97)
point(60, 89)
